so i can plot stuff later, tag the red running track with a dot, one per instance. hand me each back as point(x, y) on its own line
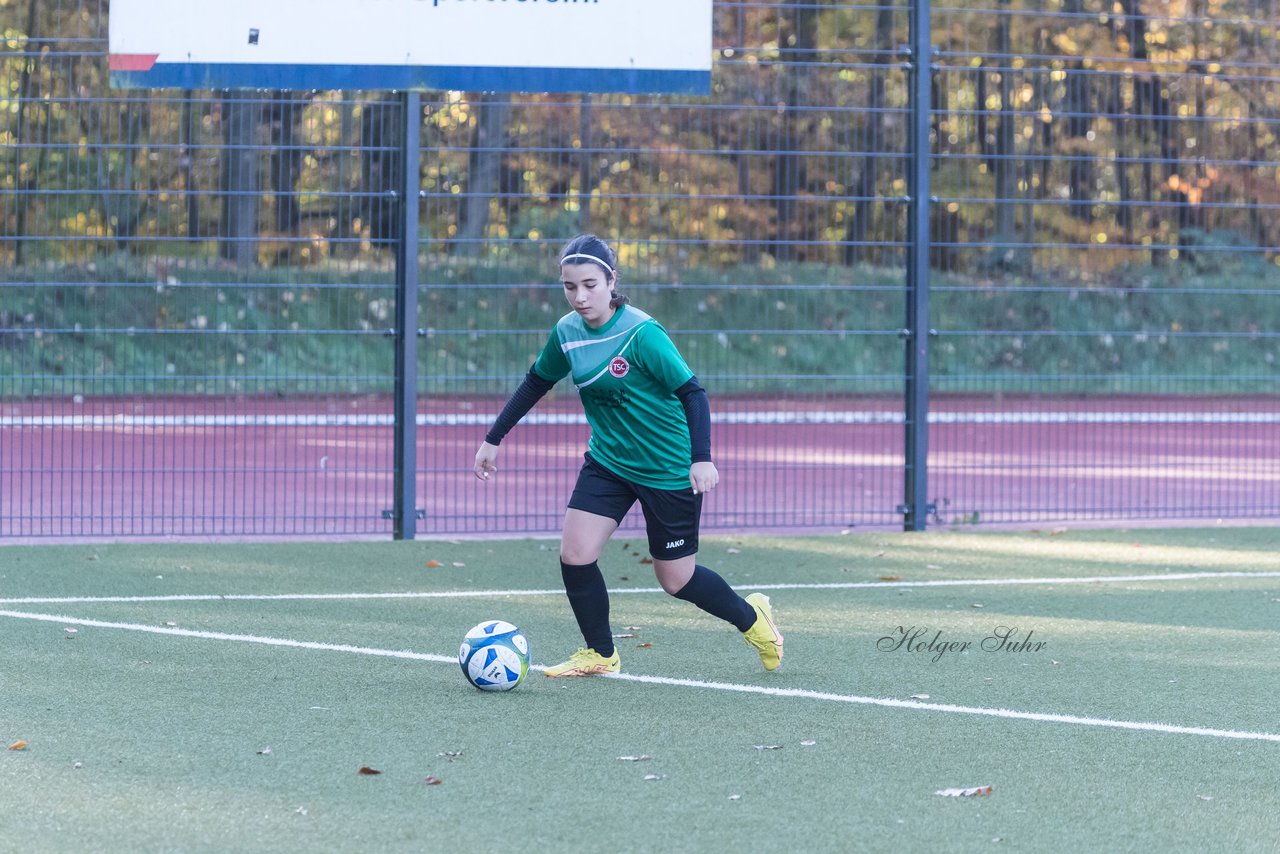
point(202, 466)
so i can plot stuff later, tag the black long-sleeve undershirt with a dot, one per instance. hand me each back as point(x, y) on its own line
point(528, 393)
point(692, 396)
point(697, 411)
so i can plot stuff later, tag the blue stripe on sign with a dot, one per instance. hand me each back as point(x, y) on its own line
point(231, 75)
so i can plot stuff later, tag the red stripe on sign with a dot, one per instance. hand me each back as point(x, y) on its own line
point(132, 61)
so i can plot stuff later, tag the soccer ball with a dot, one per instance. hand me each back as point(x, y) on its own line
point(494, 656)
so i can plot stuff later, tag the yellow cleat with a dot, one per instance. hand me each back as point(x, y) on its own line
point(763, 634)
point(587, 662)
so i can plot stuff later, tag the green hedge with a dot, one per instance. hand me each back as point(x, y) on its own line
point(118, 327)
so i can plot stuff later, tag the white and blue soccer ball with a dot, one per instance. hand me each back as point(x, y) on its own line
point(494, 656)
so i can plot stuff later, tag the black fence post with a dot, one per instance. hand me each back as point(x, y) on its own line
point(915, 508)
point(404, 512)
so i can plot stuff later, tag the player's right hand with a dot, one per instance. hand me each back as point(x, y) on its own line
point(485, 461)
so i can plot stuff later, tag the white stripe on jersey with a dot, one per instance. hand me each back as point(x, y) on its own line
point(587, 342)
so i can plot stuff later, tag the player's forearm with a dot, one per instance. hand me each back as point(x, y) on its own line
point(697, 411)
point(528, 393)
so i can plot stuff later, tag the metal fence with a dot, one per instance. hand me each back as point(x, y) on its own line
point(1036, 283)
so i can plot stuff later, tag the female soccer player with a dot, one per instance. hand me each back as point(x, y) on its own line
point(650, 442)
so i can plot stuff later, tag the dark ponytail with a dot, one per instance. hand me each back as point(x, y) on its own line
point(589, 249)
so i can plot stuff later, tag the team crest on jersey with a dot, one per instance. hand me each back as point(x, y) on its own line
point(619, 367)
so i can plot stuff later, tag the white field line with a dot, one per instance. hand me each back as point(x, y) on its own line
point(224, 636)
point(289, 597)
point(885, 702)
point(797, 693)
point(472, 419)
point(475, 594)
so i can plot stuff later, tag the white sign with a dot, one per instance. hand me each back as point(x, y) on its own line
point(473, 45)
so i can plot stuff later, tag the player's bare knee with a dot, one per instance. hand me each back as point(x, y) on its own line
point(577, 555)
point(671, 586)
point(673, 575)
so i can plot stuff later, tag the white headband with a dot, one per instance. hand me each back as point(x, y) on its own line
point(599, 261)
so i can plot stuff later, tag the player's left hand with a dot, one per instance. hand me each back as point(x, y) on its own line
point(703, 477)
point(486, 461)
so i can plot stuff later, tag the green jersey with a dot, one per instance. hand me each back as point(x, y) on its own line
point(626, 372)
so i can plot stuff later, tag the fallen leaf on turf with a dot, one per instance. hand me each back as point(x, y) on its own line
point(432, 564)
point(891, 578)
point(368, 772)
point(643, 757)
point(646, 560)
point(919, 696)
point(624, 578)
point(768, 747)
point(432, 781)
point(645, 645)
point(972, 792)
point(18, 745)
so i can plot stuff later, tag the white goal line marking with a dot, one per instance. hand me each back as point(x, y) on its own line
point(473, 594)
point(472, 419)
point(798, 693)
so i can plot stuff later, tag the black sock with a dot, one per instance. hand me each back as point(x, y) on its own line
point(713, 594)
point(584, 585)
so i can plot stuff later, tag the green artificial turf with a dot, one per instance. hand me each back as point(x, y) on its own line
point(144, 741)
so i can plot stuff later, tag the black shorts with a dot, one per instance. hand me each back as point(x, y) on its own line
point(671, 516)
